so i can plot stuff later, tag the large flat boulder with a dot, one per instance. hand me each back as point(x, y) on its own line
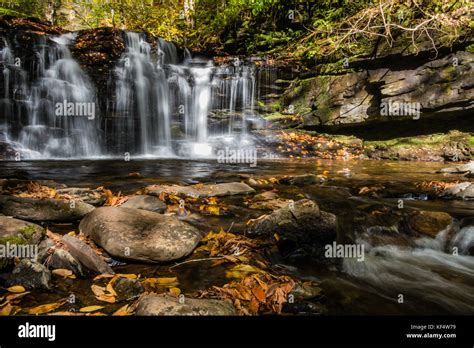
point(33, 209)
point(202, 190)
point(165, 305)
point(140, 235)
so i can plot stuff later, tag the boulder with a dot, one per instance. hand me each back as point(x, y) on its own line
point(33, 209)
point(86, 255)
point(140, 235)
point(463, 190)
point(127, 289)
point(18, 232)
point(302, 224)
point(202, 190)
point(29, 274)
point(300, 180)
point(165, 305)
point(145, 202)
point(86, 195)
point(429, 223)
point(56, 257)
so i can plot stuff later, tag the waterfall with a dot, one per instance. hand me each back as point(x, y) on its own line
point(57, 111)
point(162, 102)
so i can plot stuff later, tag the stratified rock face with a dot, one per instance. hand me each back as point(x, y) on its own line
point(164, 305)
point(33, 209)
point(443, 85)
point(301, 224)
point(140, 235)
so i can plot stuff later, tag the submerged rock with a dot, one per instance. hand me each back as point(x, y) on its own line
point(297, 225)
point(127, 289)
point(201, 190)
point(145, 202)
point(140, 235)
point(33, 209)
point(430, 223)
point(300, 180)
point(29, 274)
point(86, 255)
point(165, 305)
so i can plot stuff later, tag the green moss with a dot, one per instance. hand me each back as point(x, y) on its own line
point(470, 48)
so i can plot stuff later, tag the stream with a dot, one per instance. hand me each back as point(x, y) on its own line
point(422, 271)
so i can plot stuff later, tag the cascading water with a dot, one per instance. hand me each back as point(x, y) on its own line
point(163, 103)
point(57, 111)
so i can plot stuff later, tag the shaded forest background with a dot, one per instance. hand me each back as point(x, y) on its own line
point(292, 29)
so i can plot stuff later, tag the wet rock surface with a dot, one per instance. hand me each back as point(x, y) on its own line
point(43, 209)
point(145, 202)
point(29, 274)
point(159, 305)
point(140, 235)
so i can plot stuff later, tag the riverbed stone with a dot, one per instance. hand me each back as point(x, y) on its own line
point(463, 190)
point(430, 223)
point(145, 202)
point(127, 288)
point(86, 195)
point(166, 305)
point(30, 274)
point(18, 232)
point(301, 223)
point(33, 209)
point(140, 235)
point(55, 256)
point(202, 190)
point(86, 255)
point(300, 180)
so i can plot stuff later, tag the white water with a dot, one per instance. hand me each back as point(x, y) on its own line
point(159, 105)
point(426, 271)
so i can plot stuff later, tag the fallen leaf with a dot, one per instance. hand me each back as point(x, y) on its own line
point(65, 273)
point(16, 289)
point(46, 308)
point(89, 309)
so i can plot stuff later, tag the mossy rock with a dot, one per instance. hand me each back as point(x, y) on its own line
point(18, 232)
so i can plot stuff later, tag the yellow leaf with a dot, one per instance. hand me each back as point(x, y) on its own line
point(6, 309)
point(46, 308)
point(90, 309)
point(167, 281)
point(175, 291)
point(123, 311)
point(129, 276)
point(65, 273)
point(12, 297)
point(16, 289)
point(110, 287)
point(97, 290)
point(102, 276)
point(106, 298)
